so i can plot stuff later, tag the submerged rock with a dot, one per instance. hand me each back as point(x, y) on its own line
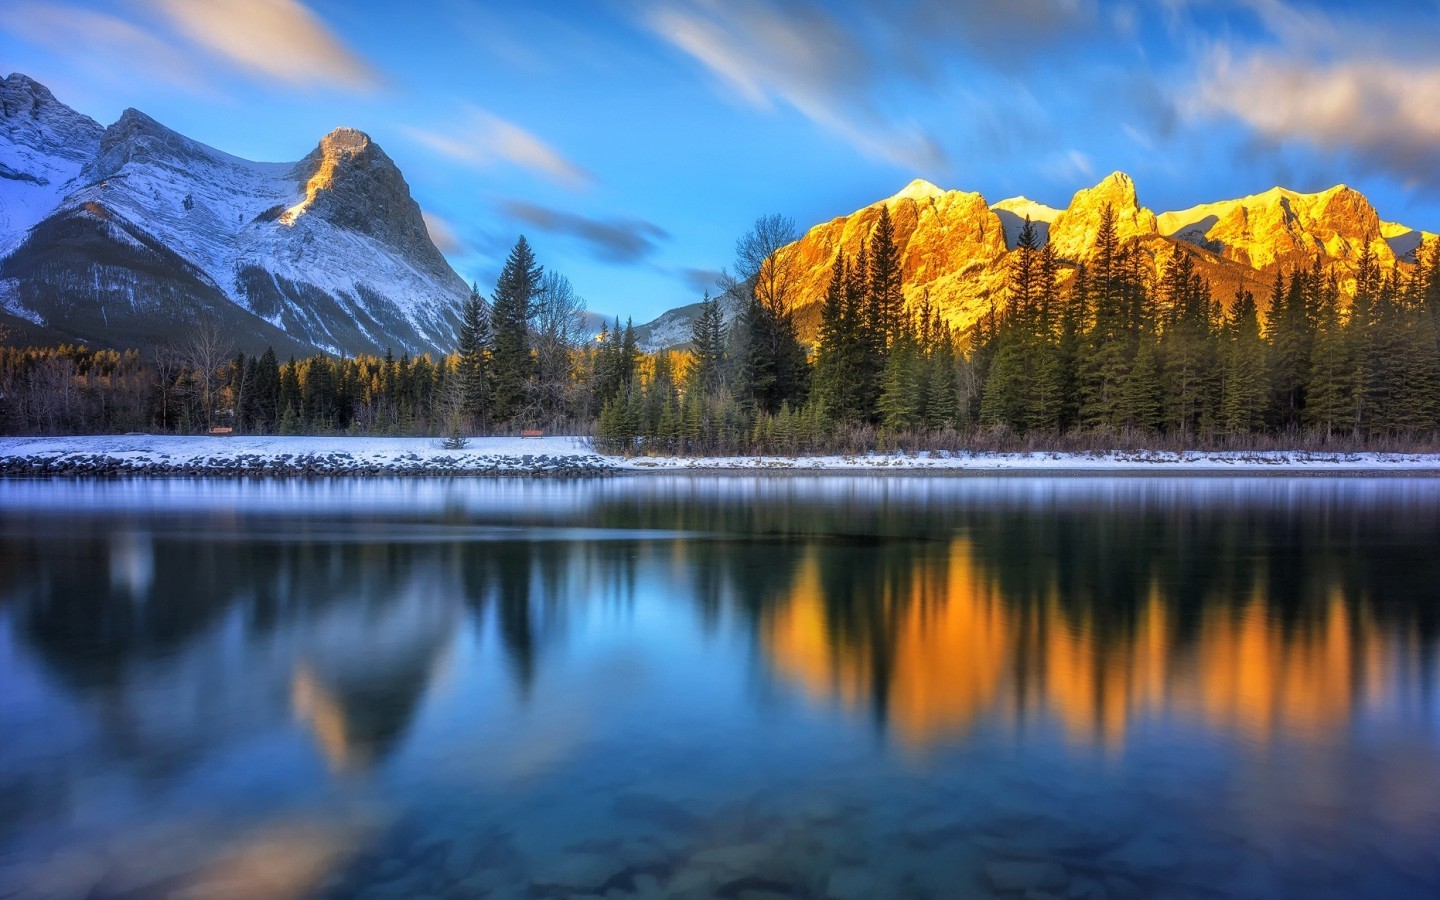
point(1024, 875)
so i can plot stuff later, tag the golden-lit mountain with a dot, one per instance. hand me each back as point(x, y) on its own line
point(951, 244)
point(1075, 228)
point(1288, 228)
point(955, 247)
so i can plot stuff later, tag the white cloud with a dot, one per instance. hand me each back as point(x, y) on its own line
point(798, 57)
point(485, 139)
point(278, 39)
point(100, 41)
point(1339, 85)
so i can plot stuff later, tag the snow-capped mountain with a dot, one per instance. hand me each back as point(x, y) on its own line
point(955, 249)
point(1015, 210)
point(129, 235)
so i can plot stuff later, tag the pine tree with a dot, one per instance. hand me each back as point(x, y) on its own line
point(901, 393)
point(265, 392)
point(512, 364)
point(1246, 390)
point(1329, 400)
point(1109, 346)
point(473, 380)
point(841, 358)
point(1291, 340)
point(1142, 395)
point(1074, 317)
point(887, 297)
point(707, 375)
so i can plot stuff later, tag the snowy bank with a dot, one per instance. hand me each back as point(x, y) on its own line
point(570, 456)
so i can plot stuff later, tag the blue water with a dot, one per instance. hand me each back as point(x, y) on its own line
point(720, 687)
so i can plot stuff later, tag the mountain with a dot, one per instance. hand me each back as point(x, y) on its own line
point(133, 234)
point(1013, 213)
point(956, 249)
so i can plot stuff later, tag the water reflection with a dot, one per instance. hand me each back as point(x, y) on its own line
point(940, 645)
point(1257, 657)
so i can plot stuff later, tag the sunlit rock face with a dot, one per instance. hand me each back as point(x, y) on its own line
point(353, 184)
point(1285, 228)
point(952, 247)
point(1076, 228)
point(956, 250)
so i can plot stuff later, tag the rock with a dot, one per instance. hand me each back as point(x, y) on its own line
point(647, 886)
point(1024, 875)
point(462, 858)
point(1086, 889)
point(653, 810)
point(1147, 853)
point(694, 881)
point(578, 871)
point(852, 883)
point(736, 857)
point(487, 881)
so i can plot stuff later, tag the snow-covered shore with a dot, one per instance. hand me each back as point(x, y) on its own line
point(313, 456)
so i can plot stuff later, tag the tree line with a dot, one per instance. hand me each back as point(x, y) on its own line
point(1101, 352)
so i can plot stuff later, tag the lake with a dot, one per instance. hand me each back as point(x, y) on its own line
point(740, 687)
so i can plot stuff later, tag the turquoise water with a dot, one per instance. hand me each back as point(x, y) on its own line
point(721, 687)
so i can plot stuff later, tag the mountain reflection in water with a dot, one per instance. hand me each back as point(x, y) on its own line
point(361, 662)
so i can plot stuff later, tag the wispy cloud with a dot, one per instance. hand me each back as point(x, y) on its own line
point(701, 280)
point(484, 140)
point(442, 233)
point(838, 63)
point(278, 39)
point(1341, 85)
point(1069, 166)
point(797, 56)
point(621, 240)
point(100, 41)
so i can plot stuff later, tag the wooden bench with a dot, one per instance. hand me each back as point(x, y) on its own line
point(222, 431)
point(532, 433)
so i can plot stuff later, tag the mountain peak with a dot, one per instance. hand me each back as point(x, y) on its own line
point(1074, 229)
point(1282, 226)
point(31, 117)
point(352, 183)
point(345, 142)
point(919, 189)
point(1023, 206)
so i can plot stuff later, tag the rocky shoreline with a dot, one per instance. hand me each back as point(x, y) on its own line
point(305, 465)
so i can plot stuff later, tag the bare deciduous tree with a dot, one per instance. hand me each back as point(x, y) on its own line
point(762, 268)
point(557, 323)
point(205, 351)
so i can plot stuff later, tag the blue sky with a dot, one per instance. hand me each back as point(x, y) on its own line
point(632, 141)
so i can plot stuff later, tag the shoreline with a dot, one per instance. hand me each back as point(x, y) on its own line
point(157, 456)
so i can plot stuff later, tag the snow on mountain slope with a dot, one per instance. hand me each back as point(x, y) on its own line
point(673, 327)
point(43, 145)
point(331, 252)
point(1012, 212)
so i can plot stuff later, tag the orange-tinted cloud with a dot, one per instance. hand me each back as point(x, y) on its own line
point(281, 40)
point(485, 139)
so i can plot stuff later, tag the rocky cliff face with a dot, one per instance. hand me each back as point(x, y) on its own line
point(1281, 227)
point(951, 245)
point(143, 232)
point(1076, 227)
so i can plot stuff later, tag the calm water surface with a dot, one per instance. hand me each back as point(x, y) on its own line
point(734, 687)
